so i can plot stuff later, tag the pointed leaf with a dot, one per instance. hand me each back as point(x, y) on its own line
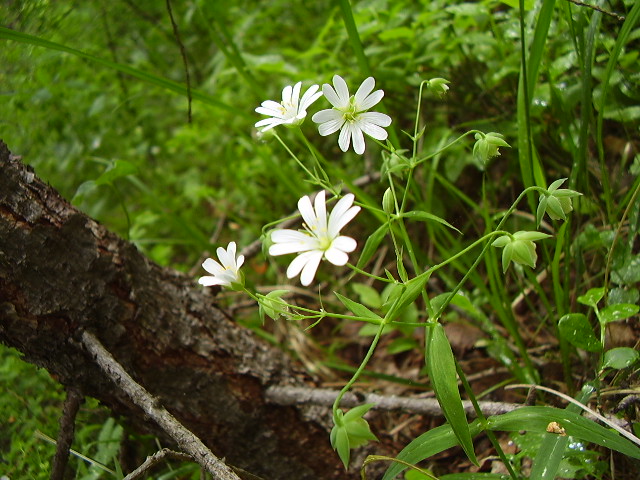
point(428, 217)
point(426, 445)
point(358, 309)
point(371, 245)
point(442, 372)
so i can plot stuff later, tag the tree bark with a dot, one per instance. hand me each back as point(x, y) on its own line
point(62, 273)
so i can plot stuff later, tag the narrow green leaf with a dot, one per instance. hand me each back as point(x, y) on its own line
point(371, 245)
point(441, 368)
point(536, 419)
point(428, 217)
point(412, 289)
point(358, 309)
point(426, 445)
point(551, 452)
point(474, 476)
point(575, 328)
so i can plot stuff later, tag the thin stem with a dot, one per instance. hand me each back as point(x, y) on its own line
point(367, 274)
point(450, 144)
point(293, 155)
point(486, 247)
point(355, 376)
point(483, 419)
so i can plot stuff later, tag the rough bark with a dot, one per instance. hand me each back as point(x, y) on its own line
point(62, 273)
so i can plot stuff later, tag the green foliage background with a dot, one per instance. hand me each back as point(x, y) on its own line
point(129, 153)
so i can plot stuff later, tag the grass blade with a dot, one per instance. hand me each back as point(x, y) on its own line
point(8, 34)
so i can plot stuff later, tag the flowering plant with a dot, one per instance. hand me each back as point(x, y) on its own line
point(349, 114)
point(320, 239)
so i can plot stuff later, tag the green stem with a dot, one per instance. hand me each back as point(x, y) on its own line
point(367, 274)
point(293, 155)
point(483, 420)
point(448, 145)
point(486, 247)
point(360, 369)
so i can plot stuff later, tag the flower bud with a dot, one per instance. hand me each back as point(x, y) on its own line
point(556, 202)
point(438, 86)
point(486, 146)
point(388, 204)
point(519, 248)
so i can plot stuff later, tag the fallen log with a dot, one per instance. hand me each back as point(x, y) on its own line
point(63, 274)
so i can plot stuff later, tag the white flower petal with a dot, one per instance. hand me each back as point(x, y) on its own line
point(227, 257)
point(330, 127)
point(376, 118)
point(286, 94)
point(364, 90)
point(328, 115)
point(310, 268)
point(342, 214)
point(344, 243)
point(239, 262)
point(345, 137)
point(291, 241)
point(331, 95)
point(211, 281)
point(337, 257)
point(298, 263)
point(307, 212)
point(270, 106)
point(287, 235)
point(372, 130)
point(310, 96)
point(342, 91)
point(287, 248)
point(358, 139)
point(342, 206)
point(268, 123)
point(321, 214)
point(213, 267)
point(371, 100)
point(295, 95)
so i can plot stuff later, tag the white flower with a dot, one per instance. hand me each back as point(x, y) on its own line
point(292, 109)
point(349, 114)
point(321, 238)
point(226, 272)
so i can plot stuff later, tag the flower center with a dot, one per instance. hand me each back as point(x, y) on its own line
point(350, 113)
point(324, 242)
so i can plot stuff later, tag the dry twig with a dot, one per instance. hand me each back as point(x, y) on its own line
point(185, 439)
point(425, 406)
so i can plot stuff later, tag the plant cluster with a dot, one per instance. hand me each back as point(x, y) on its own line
point(413, 214)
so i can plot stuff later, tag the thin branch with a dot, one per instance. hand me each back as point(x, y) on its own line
point(620, 18)
point(65, 437)
point(154, 459)
point(425, 406)
point(183, 54)
point(185, 439)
